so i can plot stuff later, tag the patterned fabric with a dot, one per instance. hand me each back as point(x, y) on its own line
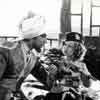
point(68, 74)
point(70, 77)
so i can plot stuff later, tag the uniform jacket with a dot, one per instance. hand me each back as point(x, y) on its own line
point(12, 62)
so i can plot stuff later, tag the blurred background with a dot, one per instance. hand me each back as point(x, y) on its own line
point(12, 11)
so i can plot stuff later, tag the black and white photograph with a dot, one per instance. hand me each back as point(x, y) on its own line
point(49, 49)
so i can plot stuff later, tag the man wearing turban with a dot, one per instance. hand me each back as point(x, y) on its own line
point(17, 58)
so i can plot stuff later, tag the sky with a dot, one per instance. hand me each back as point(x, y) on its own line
point(12, 11)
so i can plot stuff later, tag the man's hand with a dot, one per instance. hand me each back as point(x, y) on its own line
point(20, 81)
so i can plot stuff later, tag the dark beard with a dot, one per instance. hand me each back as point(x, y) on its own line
point(37, 49)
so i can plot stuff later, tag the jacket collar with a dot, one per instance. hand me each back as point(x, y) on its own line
point(26, 48)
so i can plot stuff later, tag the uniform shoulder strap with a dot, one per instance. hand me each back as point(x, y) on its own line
point(8, 45)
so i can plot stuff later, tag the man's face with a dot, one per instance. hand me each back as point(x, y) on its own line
point(40, 42)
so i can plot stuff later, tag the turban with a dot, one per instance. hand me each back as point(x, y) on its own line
point(32, 27)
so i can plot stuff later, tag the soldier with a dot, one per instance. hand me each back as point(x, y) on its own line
point(17, 58)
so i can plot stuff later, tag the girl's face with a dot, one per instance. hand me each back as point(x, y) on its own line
point(68, 48)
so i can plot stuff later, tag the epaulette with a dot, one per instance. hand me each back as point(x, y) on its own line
point(8, 45)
